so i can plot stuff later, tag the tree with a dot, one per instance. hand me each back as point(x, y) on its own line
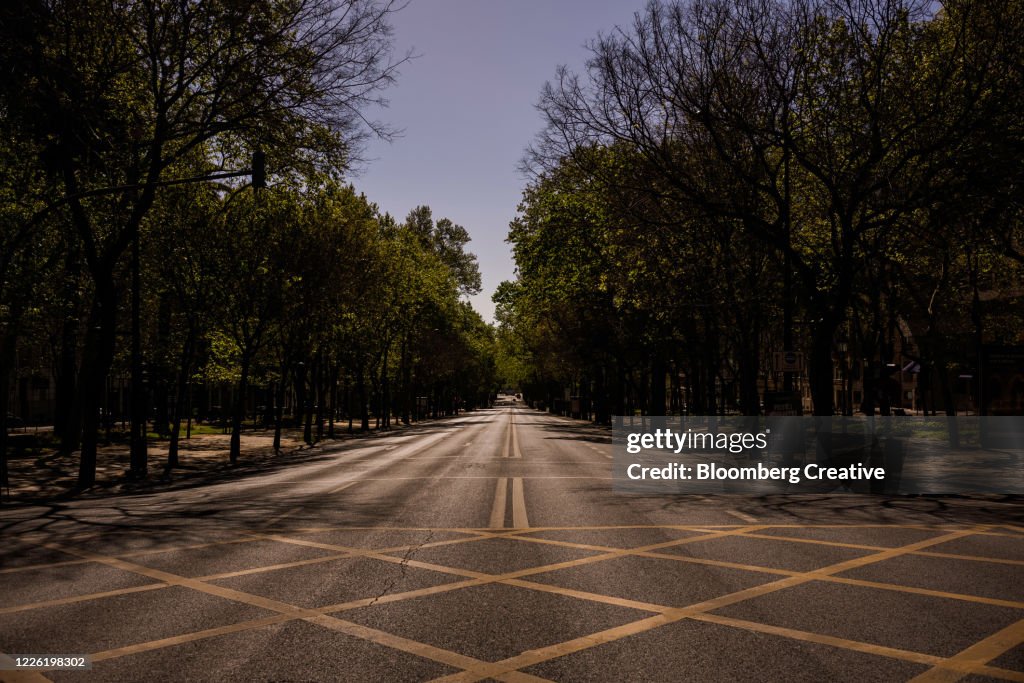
point(814, 126)
point(119, 93)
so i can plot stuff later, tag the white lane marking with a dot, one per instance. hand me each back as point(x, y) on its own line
point(519, 519)
point(498, 510)
point(342, 487)
point(743, 516)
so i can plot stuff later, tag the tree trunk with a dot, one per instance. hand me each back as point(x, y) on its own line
point(239, 412)
point(406, 373)
point(334, 400)
point(364, 412)
point(67, 420)
point(279, 405)
point(385, 392)
point(307, 406)
point(184, 369)
point(160, 374)
point(6, 368)
point(821, 366)
point(320, 398)
point(97, 357)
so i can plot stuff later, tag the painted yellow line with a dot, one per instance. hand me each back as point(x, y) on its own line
point(519, 677)
point(394, 559)
point(516, 453)
point(397, 597)
point(687, 559)
point(520, 535)
point(365, 552)
point(274, 567)
point(820, 639)
point(815, 541)
point(519, 518)
point(134, 553)
point(19, 676)
point(403, 644)
point(22, 677)
point(536, 656)
point(190, 637)
point(971, 558)
point(42, 565)
point(607, 555)
point(81, 598)
point(507, 442)
point(898, 588)
point(498, 509)
point(195, 584)
point(643, 551)
point(970, 661)
point(742, 516)
point(890, 553)
point(587, 595)
point(978, 654)
point(876, 548)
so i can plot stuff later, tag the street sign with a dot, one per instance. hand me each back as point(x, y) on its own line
point(788, 361)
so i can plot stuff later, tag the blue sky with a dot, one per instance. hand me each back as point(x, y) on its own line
point(467, 109)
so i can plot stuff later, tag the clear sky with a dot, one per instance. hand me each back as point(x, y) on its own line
point(467, 109)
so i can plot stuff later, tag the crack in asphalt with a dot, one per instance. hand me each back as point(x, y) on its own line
point(403, 566)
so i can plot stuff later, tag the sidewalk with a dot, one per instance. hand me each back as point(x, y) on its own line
point(202, 459)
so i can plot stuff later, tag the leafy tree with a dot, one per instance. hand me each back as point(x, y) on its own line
point(118, 93)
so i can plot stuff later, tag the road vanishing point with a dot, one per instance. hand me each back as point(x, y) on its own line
point(491, 546)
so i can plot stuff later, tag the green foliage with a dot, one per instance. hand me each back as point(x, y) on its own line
point(723, 170)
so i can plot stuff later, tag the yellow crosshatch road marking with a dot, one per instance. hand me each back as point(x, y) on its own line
point(972, 660)
point(983, 651)
point(82, 598)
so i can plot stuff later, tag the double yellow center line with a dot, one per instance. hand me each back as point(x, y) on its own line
point(519, 518)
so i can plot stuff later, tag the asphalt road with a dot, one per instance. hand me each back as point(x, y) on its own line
point(491, 547)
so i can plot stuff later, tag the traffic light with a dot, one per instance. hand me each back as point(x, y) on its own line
point(259, 169)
